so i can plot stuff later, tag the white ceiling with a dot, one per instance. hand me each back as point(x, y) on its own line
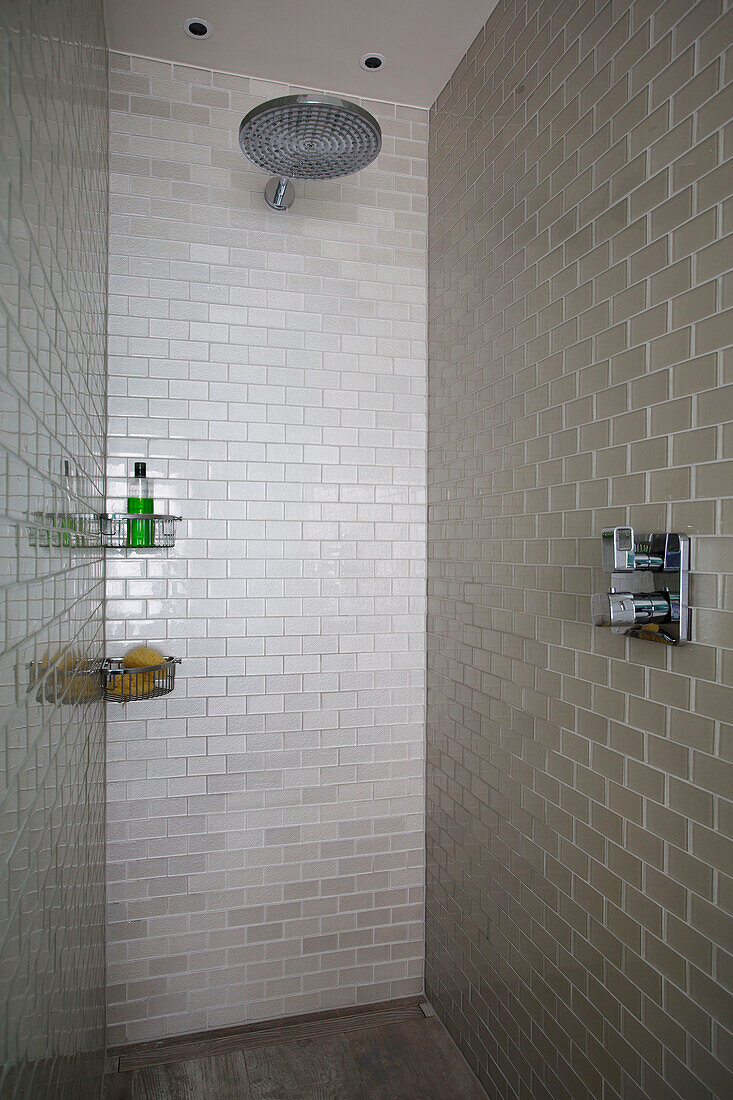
point(311, 43)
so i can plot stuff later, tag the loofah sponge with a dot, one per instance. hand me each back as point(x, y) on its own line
point(69, 681)
point(64, 660)
point(82, 687)
point(144, 682)
point(142, 657)
point(59, 666)
point(114, 685)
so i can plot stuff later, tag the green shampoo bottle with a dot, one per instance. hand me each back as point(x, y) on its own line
point(140, 503)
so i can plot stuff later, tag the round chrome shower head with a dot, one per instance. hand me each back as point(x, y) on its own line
point(308, 137)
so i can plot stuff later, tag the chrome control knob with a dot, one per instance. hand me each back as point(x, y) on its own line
point(614, 609)
point(624, 610)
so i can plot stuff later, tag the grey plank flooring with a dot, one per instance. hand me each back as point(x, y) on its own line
point(413, 1061)
point(118, 1086)
point(311, 1069)
point(410, 1060)
point(218, 1077)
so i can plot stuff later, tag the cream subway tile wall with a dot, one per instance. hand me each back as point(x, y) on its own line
point(266, 832)
point(580, 328)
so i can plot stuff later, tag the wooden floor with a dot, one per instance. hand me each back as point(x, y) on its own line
point(393, 1052)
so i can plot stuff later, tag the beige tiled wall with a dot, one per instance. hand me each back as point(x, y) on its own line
point(580, 317)
point(266, 836)
point(53, 269)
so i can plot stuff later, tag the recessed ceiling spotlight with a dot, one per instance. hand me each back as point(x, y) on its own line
point(372, 61)
point(197, 28)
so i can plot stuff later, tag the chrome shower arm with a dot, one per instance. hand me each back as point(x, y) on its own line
point(279, 193)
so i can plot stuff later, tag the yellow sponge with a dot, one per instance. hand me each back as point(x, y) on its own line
point(142, 657)
point(68, 679)
point(142, 683)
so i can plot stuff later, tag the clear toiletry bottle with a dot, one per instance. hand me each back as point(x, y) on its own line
point(140, 503)
point(67, 520)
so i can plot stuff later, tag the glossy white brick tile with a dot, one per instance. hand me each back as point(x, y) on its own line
point(272, 371)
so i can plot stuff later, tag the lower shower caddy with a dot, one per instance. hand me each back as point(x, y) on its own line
point(64, 681)
point(121, 684)
point(111, 680)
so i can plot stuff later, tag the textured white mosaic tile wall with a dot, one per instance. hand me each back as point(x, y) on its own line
point(53, 322)
point(266, 820)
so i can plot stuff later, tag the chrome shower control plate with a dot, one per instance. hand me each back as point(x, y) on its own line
point(649, 593)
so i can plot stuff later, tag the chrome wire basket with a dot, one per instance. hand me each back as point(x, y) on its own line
point(75, 530)
point(125, 685)
point(121, 531)
point(77, 683)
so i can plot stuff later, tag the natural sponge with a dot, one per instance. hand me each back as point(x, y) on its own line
point(69, 679)
point(144, 682)
point(142, 657)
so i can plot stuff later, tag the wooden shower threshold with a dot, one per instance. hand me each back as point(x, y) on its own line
point(314, 1025)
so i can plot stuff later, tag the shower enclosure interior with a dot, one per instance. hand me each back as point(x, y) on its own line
point(399, 769)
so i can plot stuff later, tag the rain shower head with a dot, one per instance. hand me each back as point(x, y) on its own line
point(307, 137)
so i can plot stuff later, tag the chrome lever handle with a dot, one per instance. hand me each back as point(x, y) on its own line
point(624, 610)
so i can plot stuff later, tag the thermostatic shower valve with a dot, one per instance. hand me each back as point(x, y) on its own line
point(648, 597)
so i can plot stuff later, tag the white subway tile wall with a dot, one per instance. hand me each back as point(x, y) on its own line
point(53, 323)
point(265, 822)
point(581, 322)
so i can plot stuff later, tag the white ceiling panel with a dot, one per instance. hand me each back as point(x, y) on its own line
point(311, 43)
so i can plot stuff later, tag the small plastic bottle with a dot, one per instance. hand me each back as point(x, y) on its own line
point(67, 520)
point(140, 502)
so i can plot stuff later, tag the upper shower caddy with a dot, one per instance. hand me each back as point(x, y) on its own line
point(124, 531)
point(307, 137)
